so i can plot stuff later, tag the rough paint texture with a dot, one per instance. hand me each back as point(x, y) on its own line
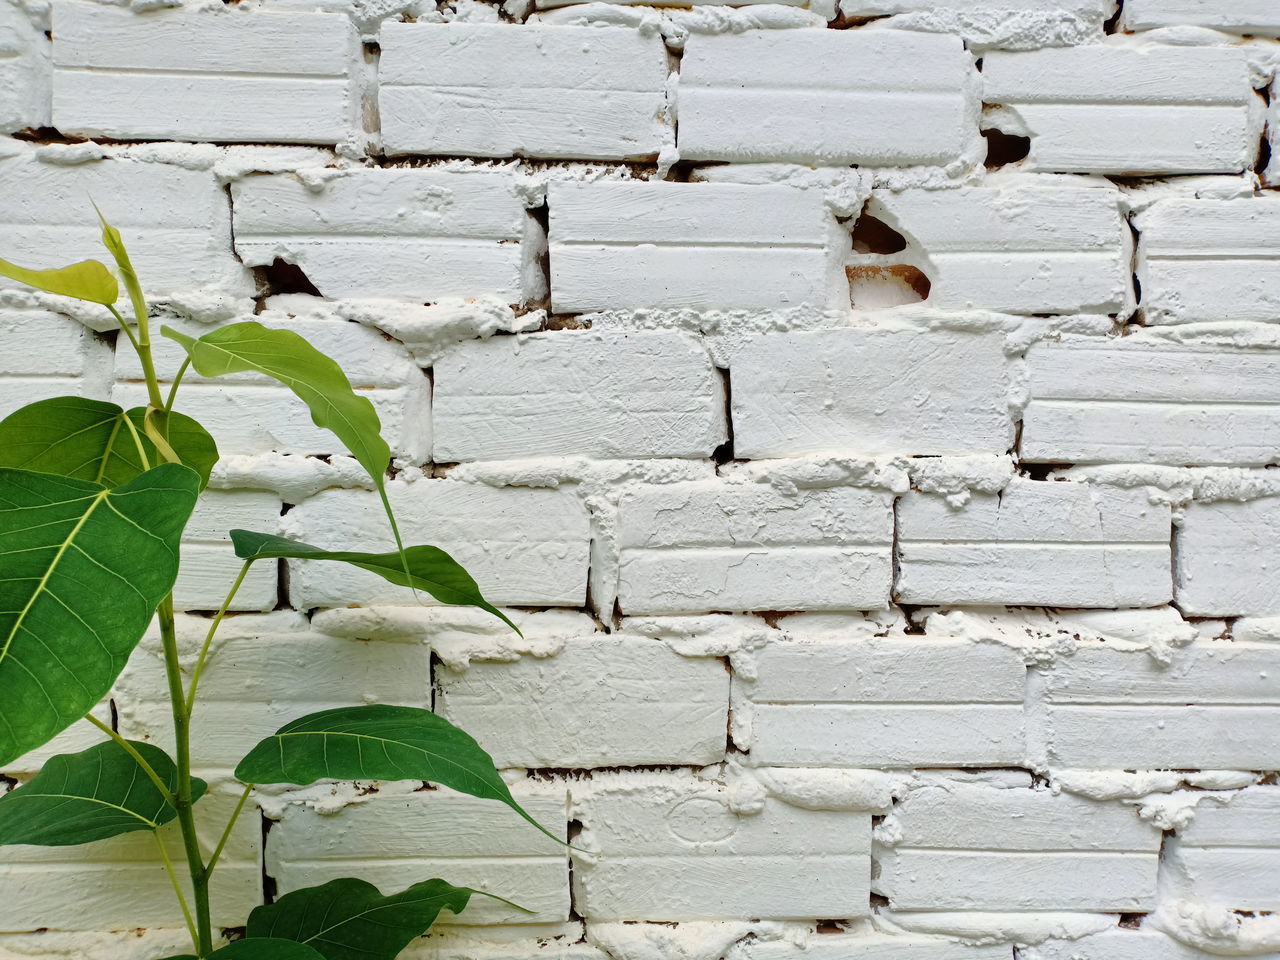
point(869, 410)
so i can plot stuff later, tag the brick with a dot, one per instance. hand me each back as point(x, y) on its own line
point(175, 221)
point(1224, 556)
point(1255, 17)
point(1094, 401)
point(1121, 944)
point(982, 24)
point(25, 72)
point(712, 546)
point(46, 356)
point(783, 862)
point(1129, 110)
point(1227, 855)
point(602, 395)
point(396, 840)
point(871, 391)
point(886, 97)
point(264, 672)
point(120, 883)
point(903, 702)
point(523, 546)
point(465, 88)
point(210, 566)
point(1029, 245)
point(404, 233)
point(1036, 543)
point(873, 946)
point(1216, 706)
point(973, 846)
point(186, 74)
point(625, 244)
point(642, 702)
point(1209, 260)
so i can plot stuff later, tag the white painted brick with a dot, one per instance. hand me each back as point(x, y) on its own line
point(873, 946)
point(210, 566)
point(1027, 245)
point(624, 244)
point(396, 840)
point(884, 97)
point(1226, 558)
point(602, 395)
point(1257, 17)
point(1209, 260)
point(232, 74)
point(673, 850)
point(523, 546)
point(407, 233)
point(1123, 400)
point(120, 883)
point(973, 846)
point(45, 355)
point(703, 546)
point(1216, 705)
point(500, 90)
point(264, 672)
point(176, 222)
point(642, 702)
point(1121, 944)
point(1129, 110)
point(982, 24)
point(25, 72)
point(916, 701)
point(1036, 543)
point(871, 391)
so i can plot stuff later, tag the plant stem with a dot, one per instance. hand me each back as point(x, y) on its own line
point(177, 380)
point(226, 834)
point(177, 887)
point(184, 802)
point(138, 758)
point(208, 638)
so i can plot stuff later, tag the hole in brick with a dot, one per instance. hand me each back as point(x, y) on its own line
point(1005, 148)
point(876, 287)
point(1113, 23)
point(285, 277)
point(873, 235)
point(830, 926)
point(1131, 921)
point(269, 888)
point(233, 933)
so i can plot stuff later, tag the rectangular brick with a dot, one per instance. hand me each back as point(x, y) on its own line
point(396, 840)
point(1209, 260)
point(713, 546)
point(973, 846)
point(1129, 110)
point(1121, 943)
point(570, 393)
point(1227, 854)
point(501, 90)
point(25, 71)
point(1094, 401)
point(1028, 245)
point(47, 355)
point(642, 702)
point(627, 244)
point(1219, 548)
point(210, 566)
point(871, 946)
point(886, 97)
point(395, 233)
point(903, 702)
point(1259, 18)
point(782, 862)
point(235, 75)
point(264, 672)
point(176, 222)
point(831, 391)
point(1039, 543)
point(523, 546)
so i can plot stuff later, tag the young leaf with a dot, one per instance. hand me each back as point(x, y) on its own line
point(84, 568)
point(99, 793)
point(89, 440)
point(430, 568)
point(261, 948)
point(352, 920)
point(378, 742)
point(88, 280)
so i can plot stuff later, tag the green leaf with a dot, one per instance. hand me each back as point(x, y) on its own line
point(378, 742)
point(261, 948)
point(114, 243)
point(87, 280)
point(429, 568)
point(89, 440)
point(82, 797)
point(84, 569)
point(352, 920)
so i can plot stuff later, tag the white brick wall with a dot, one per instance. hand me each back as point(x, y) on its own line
point(1227, 854)
point(1256, 17)
point(46, 356)
point(1225, 554)
point(24, 71)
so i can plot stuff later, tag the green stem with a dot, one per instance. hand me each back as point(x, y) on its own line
point(184, 803)
point(123, 325)
point(137, 443)
point(177, 379)
point(177, 887)
point(138, 758)
point(208, 638)
point(226, 834)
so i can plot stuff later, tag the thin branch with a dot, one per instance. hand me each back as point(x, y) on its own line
point(198, 670)
point(226, 834)
point(177, 887)
point(173, 390)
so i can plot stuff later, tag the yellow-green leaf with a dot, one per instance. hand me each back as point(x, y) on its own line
point(87, 280)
